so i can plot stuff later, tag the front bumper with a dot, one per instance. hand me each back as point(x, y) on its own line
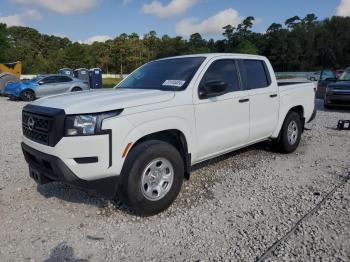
point(10, 96)
point(45, 168)
point(338, 98)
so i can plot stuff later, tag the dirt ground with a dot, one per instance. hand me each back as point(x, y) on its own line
point(233, 208)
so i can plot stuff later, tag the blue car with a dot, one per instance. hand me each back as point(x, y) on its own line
point(16, 90)
point(44, 85)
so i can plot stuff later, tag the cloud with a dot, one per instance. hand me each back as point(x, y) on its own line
point(344, 8)
point(211, 25)
point(126, 2)
point(20, 19)
point(32, 14)
point(175, 7)
point(64, 7)
point(98, 38)
point(12, 20)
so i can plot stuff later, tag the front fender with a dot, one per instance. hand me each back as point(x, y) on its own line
point(133, 132)
point(16, 92)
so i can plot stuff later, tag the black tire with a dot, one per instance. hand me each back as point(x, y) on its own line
point(129, 188)
point(76, 89)
point(286, 144)
point(28, 95)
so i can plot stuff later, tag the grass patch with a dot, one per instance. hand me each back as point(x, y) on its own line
point(110, 82)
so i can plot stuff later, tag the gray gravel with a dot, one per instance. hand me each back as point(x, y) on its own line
point(233, 207)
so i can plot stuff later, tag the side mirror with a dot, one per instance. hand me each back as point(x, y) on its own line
point(212, 89)
point(41, 82)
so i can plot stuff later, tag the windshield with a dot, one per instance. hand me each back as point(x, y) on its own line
point(345, 75)
point(37, 78)
point(168, 74)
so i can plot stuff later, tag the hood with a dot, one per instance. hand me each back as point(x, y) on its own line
point(94, 101)
point(341, 85)
point(20, 84)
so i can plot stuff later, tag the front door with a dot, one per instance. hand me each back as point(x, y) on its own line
point(222, 122)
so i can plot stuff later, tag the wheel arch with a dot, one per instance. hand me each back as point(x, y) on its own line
point(176, 138)
point(75, 86)
point(28, 89)
point(299, 109)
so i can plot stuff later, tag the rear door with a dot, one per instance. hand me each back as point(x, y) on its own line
point(263, 95)
point(65, 84)
point(327, 77)
point(222, 122)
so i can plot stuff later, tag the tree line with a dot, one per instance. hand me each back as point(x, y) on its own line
point(299, 44)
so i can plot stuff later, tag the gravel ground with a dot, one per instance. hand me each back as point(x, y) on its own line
point(233, 208)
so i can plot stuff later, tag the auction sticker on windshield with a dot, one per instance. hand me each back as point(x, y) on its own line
point(177, 83)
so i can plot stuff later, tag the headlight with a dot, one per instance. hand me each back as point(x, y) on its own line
point(87, 125)
point(81, 125)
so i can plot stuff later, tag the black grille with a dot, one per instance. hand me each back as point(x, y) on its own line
point(36, 127)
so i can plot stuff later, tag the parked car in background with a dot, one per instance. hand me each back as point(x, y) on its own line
point(44, 85)
point(327, 76)
point(338, 93)
point(139, 140)
point(315, 76)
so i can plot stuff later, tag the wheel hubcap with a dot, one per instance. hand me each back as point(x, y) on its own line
point(28, 95)
point(292, 132)
point(157, 179)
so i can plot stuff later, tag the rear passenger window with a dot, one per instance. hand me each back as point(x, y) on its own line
point(49, 80)
point(255, 74)
point(64, 79)
point(223, 70)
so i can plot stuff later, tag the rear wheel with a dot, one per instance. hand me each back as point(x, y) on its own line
point(151, 178)
point(76, 89)
point(28, 95)
point(290, 133)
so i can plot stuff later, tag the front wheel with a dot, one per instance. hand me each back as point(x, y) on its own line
point(151, 178)
point(28, 95)
point(290, 133)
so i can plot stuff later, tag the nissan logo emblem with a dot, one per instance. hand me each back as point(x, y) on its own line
point(30, 123)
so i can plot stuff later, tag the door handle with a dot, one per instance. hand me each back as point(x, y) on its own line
point(273, 95)
point(244, 100)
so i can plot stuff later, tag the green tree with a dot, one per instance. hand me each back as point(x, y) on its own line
point(4, 45)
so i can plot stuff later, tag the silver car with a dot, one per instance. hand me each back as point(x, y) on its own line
point(45, 85)
point(315, 76)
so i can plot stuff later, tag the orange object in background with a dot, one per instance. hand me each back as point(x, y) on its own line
point(12, 68)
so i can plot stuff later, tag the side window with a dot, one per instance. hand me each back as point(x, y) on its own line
point(327, 74)
point(49, 80)
point(65, 79)
point(222, 70)
point(255, 74)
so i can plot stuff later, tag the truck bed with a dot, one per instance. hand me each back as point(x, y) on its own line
point(292, 83)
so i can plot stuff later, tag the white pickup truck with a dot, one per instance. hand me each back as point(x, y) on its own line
point(139, 140)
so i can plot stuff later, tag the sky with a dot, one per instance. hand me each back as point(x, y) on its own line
point(99, 20)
